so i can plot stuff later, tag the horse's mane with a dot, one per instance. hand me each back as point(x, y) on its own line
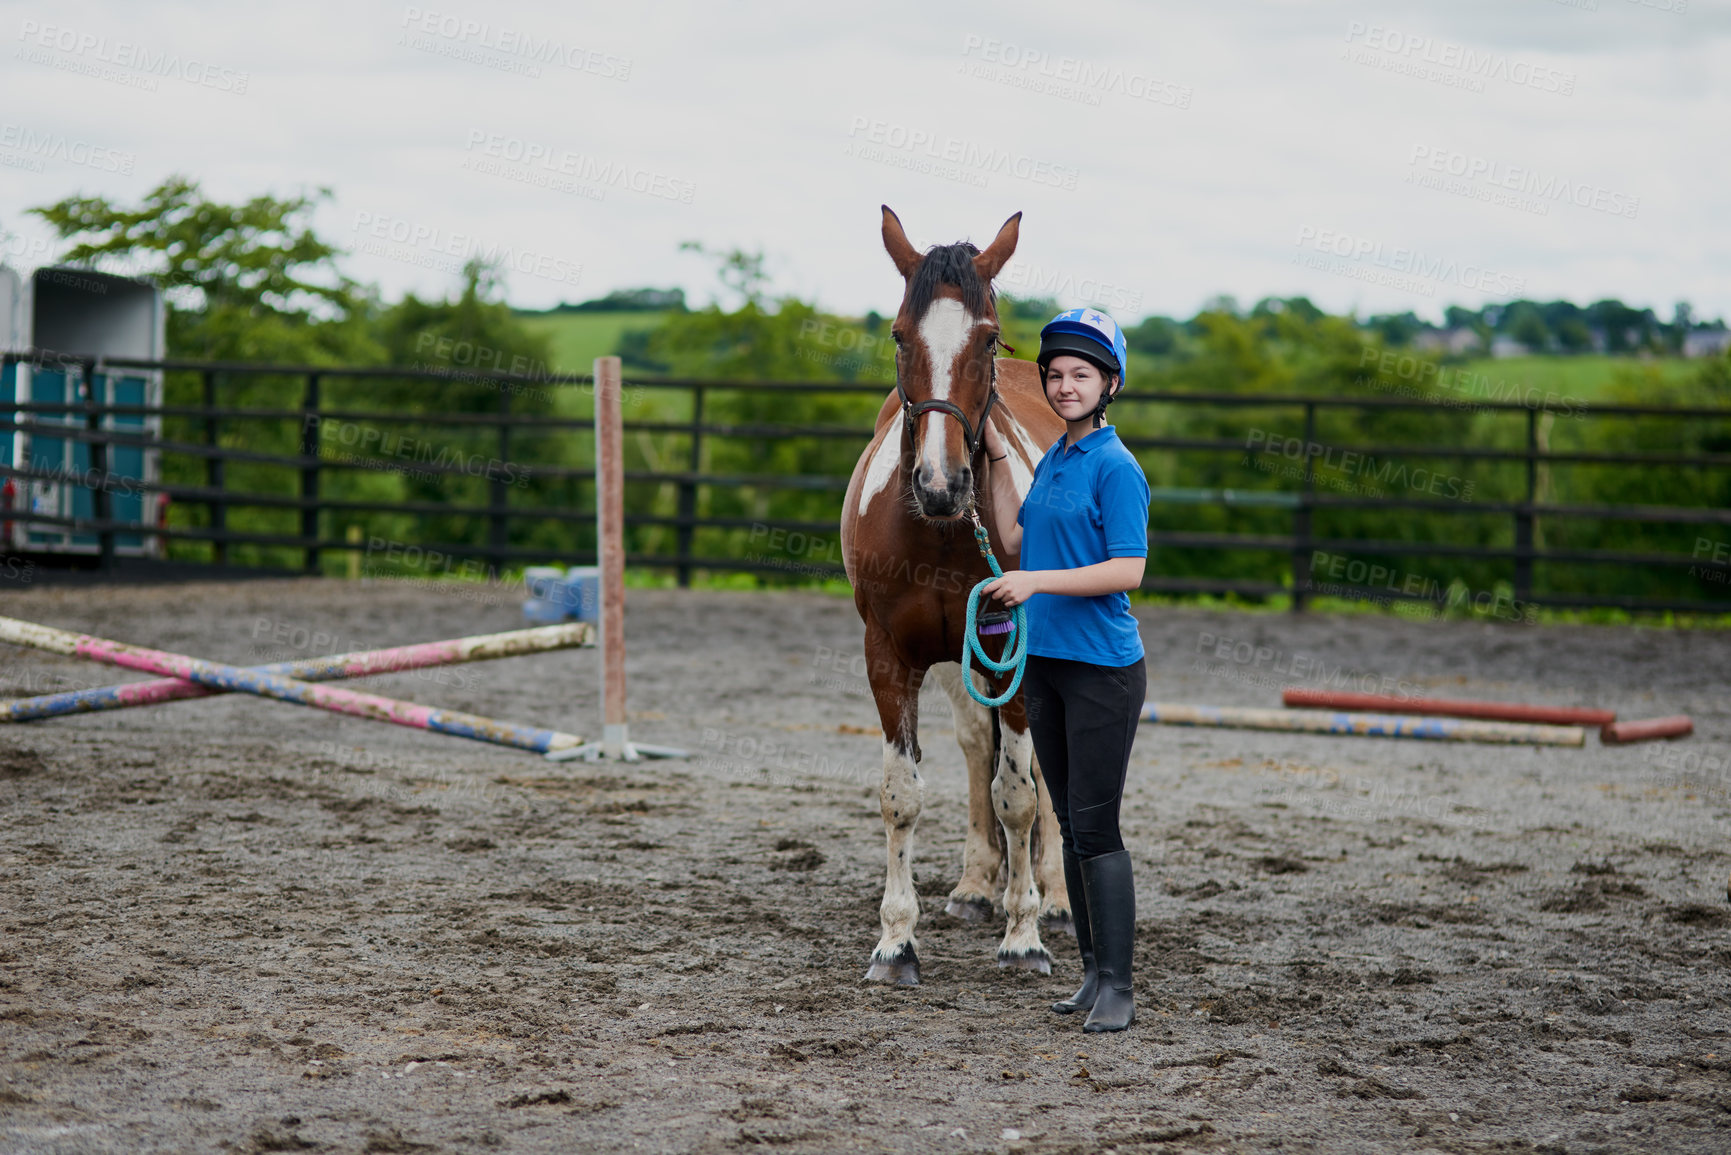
point(950, 265)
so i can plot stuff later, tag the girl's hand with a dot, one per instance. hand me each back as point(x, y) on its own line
point(995, 446)
point(1015, 587)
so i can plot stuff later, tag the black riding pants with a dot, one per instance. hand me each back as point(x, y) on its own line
point(1083, 719)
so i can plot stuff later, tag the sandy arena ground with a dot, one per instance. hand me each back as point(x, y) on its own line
point(240, 926)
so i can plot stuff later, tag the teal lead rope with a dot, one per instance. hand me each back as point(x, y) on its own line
point(1017, 658)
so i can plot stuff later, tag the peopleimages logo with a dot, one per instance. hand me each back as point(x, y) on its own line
point(1495, 176)
point(1424, 56)
point(41, 146)
point(380, 445)
point(509, 42)
point(559, 167)
point(1407, 262)
point(874, 136)
point(125, 55)
point(1068, 76)
point(428, 246)
point(1424, 374)
point(1354, 463)
point(1032, 280)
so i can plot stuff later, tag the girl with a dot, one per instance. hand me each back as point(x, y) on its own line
point(1082, 534)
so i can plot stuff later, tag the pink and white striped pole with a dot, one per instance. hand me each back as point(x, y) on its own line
point(610, 553)
point(360, 664)
point(239, 679)
point(610, 566)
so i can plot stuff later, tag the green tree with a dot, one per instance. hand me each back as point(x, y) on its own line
point(739, 271)
point(1156, 336)
point(249, 281)
point(1041, 309)
point(471, 336)
point(767, 338)
point(1626, 328)
point(1396, 328)
point(474, 333)
point(1574, 336)
point(1525, 323)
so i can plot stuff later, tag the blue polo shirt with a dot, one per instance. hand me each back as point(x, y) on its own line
point(1088, 502)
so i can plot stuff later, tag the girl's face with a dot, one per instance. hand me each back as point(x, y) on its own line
point(1074, 386)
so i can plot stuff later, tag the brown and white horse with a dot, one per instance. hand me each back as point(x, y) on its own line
point(909, 549)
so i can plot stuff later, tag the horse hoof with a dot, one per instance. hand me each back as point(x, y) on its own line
point(1058, 922)
point(903, 970)
point(1030, 960)
point(969, 909)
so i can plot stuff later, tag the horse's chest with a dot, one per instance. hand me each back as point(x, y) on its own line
point(929, 620)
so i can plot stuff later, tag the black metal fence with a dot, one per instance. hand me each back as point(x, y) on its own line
point(207, 448)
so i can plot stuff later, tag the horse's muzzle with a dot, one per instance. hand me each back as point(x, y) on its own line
point(947, 500)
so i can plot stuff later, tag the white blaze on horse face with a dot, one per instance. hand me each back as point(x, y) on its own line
point(945, 329)
point(882, 470)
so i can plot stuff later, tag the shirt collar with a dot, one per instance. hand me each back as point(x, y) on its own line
point(1100, 435)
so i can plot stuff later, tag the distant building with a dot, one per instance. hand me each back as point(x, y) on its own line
point(1706, 342)
point(1450, 342)
point(1508, 347)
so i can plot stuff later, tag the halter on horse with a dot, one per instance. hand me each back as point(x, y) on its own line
point(971, 434)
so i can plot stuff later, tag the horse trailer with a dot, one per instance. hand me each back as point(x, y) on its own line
point(69, 323)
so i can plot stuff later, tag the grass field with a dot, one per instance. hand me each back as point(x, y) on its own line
point(579, 338)
point(1583, 377)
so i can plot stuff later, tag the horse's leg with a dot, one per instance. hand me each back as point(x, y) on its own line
point(1016, 799)
point(897, 690)
point(981, 853)
point(1055, 914)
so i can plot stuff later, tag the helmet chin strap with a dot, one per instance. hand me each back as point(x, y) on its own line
point(1100, 410)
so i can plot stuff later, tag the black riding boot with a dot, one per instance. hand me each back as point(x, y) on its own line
point(1083, 999)
point(1111, 896)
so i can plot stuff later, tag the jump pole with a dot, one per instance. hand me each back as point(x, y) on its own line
point(335, 667)
point(1451, 707)
point(339, 701)
point(1363, 725)
point(1647, 729)
point(610, 564)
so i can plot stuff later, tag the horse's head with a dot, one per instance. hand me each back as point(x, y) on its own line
point(946, 336)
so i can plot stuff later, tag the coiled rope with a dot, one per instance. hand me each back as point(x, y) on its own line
point(1017, 657)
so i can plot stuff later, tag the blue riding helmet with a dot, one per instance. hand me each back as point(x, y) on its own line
point(1092, 335)
point(1085, 333)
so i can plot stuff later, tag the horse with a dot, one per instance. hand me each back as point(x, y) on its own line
point(909, 550)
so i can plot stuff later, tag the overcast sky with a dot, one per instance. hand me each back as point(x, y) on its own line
point(1375, 157)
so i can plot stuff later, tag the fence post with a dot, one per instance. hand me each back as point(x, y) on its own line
point(1301, 549)
point(498, 492)
point(610, 553)
point(1524, 518)
point(310, 474)
point(688, 489)
point(213, 473)
point(101, 507)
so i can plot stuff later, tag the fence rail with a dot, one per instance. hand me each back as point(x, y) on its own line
point(211, 425)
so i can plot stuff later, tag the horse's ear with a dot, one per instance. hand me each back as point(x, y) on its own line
point(896, 243)
point(1002, 248)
